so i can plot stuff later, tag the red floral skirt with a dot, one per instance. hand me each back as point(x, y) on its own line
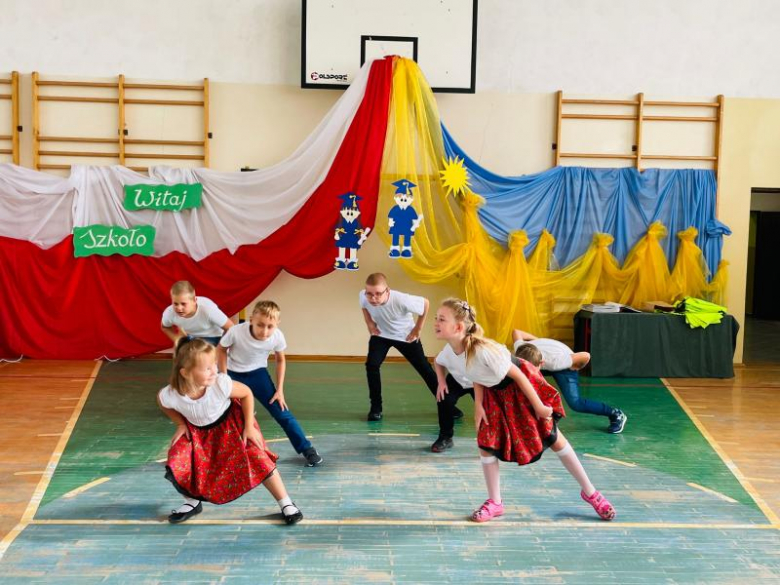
point(513, 433)
point(215, 466)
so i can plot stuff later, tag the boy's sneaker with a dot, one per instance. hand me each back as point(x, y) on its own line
point(487, 511)
point(374, 415)
point(441, 444)
point(313, 459)
point(617, 421)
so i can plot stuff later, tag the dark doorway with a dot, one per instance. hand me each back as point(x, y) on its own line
point(762, 311)
point(766, 274)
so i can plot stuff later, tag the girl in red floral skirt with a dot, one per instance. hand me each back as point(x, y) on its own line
point(516, 411)
point(217, 452)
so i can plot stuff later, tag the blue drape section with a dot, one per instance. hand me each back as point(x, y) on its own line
point(573, 203)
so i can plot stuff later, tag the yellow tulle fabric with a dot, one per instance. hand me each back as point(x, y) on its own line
point(511, 287)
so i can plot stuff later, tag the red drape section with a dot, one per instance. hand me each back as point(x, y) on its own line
point(55, 306)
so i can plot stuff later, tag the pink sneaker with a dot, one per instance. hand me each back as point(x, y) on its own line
point(487, 511)
point(601, 504)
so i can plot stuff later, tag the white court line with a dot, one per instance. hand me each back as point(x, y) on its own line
point(40, 490)
point(762, 505)
point(285, 439)
point(85, 487)
point(618, 462)
point(560, 524)
point(713, 492)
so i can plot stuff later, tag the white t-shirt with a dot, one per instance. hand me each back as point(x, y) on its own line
point(394, 318)
point(556, 355)
point(447, 358)
point(206, 322)
point(247, 353)
point(487, 367)
point(206, 409)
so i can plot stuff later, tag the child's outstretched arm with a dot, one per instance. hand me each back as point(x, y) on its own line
point(372, 328)
point(441, 376)
point(178, 420)
point(222, 357)
point(227, 325)
point(173, 333)
point(414, 334)
point(540, 409)
point(579, 360)
point(281, 367)
point(244, 394)
point(520, 335)
point(479, 409)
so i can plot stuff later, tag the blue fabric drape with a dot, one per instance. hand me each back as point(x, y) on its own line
point(573, 203)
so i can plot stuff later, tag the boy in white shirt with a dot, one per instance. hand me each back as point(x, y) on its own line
point(557, 359)
point(189, 315)
point(243, 353)
point(389, 318)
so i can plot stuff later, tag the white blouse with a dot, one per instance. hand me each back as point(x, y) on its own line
point(488, 366)
point(206, 409)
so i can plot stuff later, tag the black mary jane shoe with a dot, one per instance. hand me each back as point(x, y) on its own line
point(177, 517)
point(292, 518)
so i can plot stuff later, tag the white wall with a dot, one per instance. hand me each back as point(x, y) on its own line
point(663, 47)
point(684, 50)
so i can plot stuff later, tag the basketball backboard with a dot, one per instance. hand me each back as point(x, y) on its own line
point(338, 36)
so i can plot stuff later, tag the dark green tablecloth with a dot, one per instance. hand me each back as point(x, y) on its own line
point(655, 345)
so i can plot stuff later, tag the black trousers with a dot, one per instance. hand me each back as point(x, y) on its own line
point(447, 406)
point(414, 354)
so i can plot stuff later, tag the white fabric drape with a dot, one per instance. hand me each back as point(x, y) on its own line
point(238, 208)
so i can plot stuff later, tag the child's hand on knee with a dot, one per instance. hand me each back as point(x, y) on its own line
point(543, 412)
point(441, 391)
point(252, 434)
point(479, 415)
point(278, 397)
point(181, 431)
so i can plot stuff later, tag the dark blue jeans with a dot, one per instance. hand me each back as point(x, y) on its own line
point(263, 389)
point(568, 382)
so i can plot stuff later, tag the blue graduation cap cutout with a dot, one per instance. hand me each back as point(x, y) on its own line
point(404, 186)
point(349, 200)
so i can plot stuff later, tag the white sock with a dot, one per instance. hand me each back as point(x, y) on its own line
point(492, 477)
point(569, 459)
point(189, 504)
point(287, 506)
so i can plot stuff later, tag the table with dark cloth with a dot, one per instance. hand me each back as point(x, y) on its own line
point(655, 345)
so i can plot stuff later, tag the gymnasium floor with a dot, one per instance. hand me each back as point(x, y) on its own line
point(692, 479)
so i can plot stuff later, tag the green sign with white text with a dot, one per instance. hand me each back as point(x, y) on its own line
point(106, 240)
point(163, 197)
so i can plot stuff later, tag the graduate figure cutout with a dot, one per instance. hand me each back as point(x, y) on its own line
point(349, 234)
point(403, 220)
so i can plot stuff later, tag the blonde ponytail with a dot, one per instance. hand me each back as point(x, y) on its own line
point(465, 313)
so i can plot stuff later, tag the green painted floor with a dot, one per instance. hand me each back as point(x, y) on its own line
point(384, 509)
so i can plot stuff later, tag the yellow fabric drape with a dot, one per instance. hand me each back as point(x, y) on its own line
point(507, 290)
